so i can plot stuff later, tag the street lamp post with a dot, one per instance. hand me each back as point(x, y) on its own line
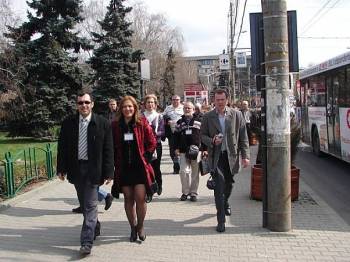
point(232, 72)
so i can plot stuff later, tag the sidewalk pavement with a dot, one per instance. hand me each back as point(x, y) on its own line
point(39, 226)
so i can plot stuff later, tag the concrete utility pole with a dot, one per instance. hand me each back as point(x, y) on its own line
point(232, 64)
point(277, 115)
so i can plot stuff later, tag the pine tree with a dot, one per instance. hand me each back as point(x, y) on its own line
point(169, 76)
point(115, 61)
point(45, 42)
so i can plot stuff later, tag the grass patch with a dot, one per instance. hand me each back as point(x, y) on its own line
point(29, 159)
point(17, 144)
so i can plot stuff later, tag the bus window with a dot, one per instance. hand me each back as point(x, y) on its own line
point(347, 88)
point(317, 92)
point(341, 88)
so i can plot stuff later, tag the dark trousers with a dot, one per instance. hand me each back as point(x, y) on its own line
point(173, 156)
point(156, 165)
point(87, 196)
point(224, 184)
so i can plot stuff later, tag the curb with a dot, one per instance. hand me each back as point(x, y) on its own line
point(20, 198)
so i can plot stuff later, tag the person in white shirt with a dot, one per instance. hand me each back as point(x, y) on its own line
point(156, 121)
point(247, 114)
point(171, 115)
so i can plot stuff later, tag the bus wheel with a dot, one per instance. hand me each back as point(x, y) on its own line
point(316, 143)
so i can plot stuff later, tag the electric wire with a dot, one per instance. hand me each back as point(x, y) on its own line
point(318, 15)
point(241, 26)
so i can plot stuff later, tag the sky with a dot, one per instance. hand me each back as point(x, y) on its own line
point(204, 25)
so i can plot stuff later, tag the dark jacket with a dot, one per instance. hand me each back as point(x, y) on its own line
point(146, 144)
point(183, 141)
point(100, 149)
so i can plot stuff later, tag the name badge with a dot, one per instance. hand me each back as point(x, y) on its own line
point(128, 137)
point(188, 132)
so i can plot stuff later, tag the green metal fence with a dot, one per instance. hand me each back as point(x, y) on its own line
point(29, 164)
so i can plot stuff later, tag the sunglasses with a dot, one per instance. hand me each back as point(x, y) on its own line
point(84, 102)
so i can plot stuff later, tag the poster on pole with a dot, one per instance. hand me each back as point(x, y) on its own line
point(224, 62)
point(241, 60)
point(145, 70)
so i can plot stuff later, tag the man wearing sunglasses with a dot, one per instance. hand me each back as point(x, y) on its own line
point(85, 156)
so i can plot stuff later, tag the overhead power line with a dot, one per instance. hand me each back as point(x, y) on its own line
point(241, 26)
point(318, 15)
point(324, 37)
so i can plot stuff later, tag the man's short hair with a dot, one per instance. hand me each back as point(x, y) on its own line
point(198, 105)
point(86, 90)
point(189, 103)
point(175, 97)
point(112, 100)
point(221, 91)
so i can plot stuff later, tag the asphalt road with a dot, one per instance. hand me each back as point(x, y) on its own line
point(329, 177)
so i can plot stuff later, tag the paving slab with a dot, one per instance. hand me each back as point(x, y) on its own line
point(39, 226)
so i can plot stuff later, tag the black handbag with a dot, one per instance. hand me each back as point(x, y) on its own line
point(115, 191)
point(204, 167)
point(192, 152)
point(211, 183)
point(151, 191)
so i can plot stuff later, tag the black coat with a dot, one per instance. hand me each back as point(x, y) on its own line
point(100, 149)
point(183, 141)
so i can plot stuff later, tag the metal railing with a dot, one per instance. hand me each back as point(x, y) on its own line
point(29, 164)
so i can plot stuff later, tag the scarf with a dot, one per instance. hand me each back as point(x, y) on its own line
point(151, 117)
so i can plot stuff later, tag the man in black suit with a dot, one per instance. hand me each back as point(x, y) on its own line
point(85, 155)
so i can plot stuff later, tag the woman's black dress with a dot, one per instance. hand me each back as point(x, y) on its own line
point(133, 172)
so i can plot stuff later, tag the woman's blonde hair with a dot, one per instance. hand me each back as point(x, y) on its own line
point(136, 116)
point(151, 96)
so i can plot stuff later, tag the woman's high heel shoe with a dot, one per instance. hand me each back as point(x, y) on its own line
point(133, 234)
point(142, 237)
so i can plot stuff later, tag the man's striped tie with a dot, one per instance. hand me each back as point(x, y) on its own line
point(82, 145)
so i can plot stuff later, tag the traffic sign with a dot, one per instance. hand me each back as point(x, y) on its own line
point(224, 62)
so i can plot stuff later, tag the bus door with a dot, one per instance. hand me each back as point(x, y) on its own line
point(333, 126)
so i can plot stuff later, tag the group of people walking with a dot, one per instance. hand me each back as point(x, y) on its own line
point(126, 147)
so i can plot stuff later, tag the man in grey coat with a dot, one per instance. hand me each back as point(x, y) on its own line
point(224, 133)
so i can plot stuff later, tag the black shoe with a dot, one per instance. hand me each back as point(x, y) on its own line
point(159, 191)
point(108, 201)
point(227, 210)
point(77, 210)
point(183, 197)
point(85, 250)
point(142, 237)
point(193, 198)
point(97, 230)
point(220, 227)
point(133, 234)
point(149, 198)
point(176, 168)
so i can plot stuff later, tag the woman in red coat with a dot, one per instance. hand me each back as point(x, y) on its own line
point(134, 144)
